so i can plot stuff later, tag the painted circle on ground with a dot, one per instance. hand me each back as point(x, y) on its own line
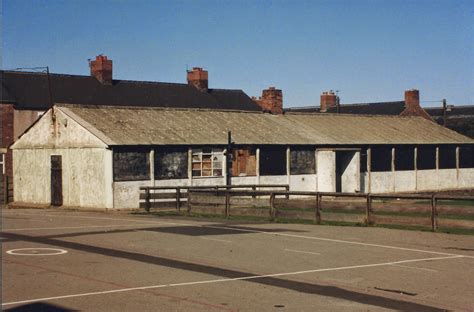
point(36, 252)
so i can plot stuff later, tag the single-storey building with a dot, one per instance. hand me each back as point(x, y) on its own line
point(99, 156)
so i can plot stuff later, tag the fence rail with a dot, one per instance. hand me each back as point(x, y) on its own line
point(218, 196)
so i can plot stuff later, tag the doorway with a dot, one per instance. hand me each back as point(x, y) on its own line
point(56, 180)
point(347, 171)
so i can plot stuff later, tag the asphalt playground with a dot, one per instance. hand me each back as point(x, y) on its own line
point(58, 260)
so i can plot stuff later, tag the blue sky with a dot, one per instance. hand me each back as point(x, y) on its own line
point(369, 50)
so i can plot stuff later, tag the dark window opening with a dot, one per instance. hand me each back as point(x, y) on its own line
point(404, 158)
point(466, 156)
point(381, 158)
point(244, 162)
point(273, 161)
point(131, 166)
point(302, 161)
point(171, 163)
point(426, 158)
point(447, 157)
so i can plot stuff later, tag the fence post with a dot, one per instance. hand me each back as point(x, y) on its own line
point(147, 199)
point(254, 188)
point(433, 213)
point(178, 199)
point(287, 188)
point(227, 203)
point(318, 210)
point(272, 205)
point(368, 210)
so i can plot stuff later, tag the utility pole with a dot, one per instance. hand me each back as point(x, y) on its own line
point(445, 107)
point(229, 158)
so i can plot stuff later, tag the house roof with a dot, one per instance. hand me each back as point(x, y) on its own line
point(158, 126)
point(29, 90)
point(378, 108)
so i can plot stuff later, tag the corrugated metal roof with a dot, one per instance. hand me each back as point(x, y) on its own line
point(157, 126)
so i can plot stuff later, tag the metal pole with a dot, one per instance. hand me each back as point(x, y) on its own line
point(229, 158)
point(318, 211)
point(444, 112)
point(433, 213)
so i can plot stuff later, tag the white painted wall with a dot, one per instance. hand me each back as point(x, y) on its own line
point(427, 180)
point(303, 182)
point(127, 193)
point(466, 177)
point(405, 181)
point(85, 182)
point(381, 182)
point(326, 171)
point(447, 179)
point(277, 179)
point(350, 178)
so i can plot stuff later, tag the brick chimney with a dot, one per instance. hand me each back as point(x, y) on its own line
point(271, 101)
point(101, 69)
point(198, 78)
point(412, 105)
point(328, 100)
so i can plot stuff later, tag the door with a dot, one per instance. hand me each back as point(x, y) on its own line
point(56, 180)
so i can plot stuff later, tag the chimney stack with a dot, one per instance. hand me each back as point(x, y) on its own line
point(271, 100)
point(328, 100)
point(198, 78)
point(412, 105)
point(101, 69)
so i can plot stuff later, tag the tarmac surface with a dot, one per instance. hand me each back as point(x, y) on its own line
point(59, 260)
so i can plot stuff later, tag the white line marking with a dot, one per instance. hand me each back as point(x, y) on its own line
point(30, 252)
point(250, 277)
point(262, 232)
point(415, 268)
point(301, 251)
point(215, 239)
point(69, 227)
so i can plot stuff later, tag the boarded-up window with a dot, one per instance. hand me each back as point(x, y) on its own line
point(207, 162)
point(381, 158)
point(404, 158)
point(447, 157)
point(244, 162)
point(273, 161)
point(466, 156)
point(131, 166)
point(426, 158)
point(302, 161)
point(171, 163)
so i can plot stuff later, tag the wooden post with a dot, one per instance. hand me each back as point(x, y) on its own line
point(254, 188)
point(188, 195)
point(147, 199)
point(287, 188)
point(178, 199)
point(369, 170)
point(368, 210)
point(318, 211)
point(433, 213)
point(227, 203)
point(272, 205)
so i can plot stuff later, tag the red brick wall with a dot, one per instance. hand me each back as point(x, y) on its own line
point(6, 117)
point(412, 105)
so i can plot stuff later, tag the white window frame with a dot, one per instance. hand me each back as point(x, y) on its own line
point(207, 163)
point(2, 162)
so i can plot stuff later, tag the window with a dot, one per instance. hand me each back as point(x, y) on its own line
point(302, 161)
point(447, 157)
point(404, 158)
point(131, 166)
point(381, 158)
point(273, 161)
point(426, 158)
point(244, 162)
point(207, 162)
point(466, 156)
point(171, 163)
